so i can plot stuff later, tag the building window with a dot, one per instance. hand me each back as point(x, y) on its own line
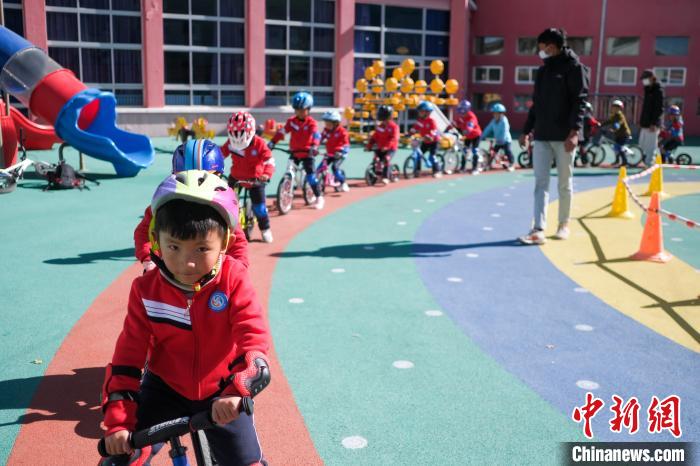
point(100, 41)
point(582, 46)
point(670, 76)
point(522, 103)
point(525, 74)
point(13, 16)
point(300, 50)
point(671, 46)
point(488, 74)
point(204, 42)
point(484, 101)
point(620, 76)
point(392, 34)
point(527, 46)
point(623, 46)
point(489, 45)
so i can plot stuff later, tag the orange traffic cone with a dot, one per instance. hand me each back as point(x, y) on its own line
point(652, 246)
point(656, 182)
point(619, 205)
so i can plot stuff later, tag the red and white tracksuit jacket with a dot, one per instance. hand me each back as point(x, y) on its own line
point(255, 161)
point(304, 136)
point(468, 125)
point(427, 129)
point(190, 342)
point(237, 245)
point(337, 141)
point(385, 136)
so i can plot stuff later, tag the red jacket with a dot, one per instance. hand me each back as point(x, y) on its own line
point(189, 342)
point(427, 128)
point(237, 245)
point(385, 136)
point(337, 140)
point(255, 161)
point(468, 125)
point(304, 136)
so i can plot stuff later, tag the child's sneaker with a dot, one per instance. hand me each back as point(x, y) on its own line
point(267, 235)
point(437, 175)
point(385, 180)
point(563, 232)
point(535, 237)
point(344, 187)
point(476, 172)
point(511, 168)
point(320, 202)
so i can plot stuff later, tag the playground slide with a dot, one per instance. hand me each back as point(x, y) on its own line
point(84, 118)
point(33, 135)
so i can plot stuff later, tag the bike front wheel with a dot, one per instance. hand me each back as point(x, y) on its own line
point(370, 176)
point(308, 190)
point(409, 168)
point(524, 159)
point(451, 161)
point(684, 159)
point(285, 194)
point(249, 219)
point(596, 155)
point(635, 155)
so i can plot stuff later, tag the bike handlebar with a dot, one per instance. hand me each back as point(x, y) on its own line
point(174, 428)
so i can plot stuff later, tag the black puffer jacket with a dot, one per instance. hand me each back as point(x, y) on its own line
point(653, 106)
point(561, 89)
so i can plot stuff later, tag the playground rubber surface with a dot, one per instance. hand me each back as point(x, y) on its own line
point(409, 327)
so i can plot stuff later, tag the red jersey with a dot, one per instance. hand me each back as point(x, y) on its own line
point(237, 245)
point(337, 140)
point(189, 341)
point(468, 125)
point(385, 136)
point(304, 136)
point(427, 128)
point(255, 161)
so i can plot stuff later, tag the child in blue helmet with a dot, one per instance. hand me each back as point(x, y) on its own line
point(304, 140)
point(196, 154)
point(337, 145)
point(430, 136)
point(499, 128)
point(672, 134)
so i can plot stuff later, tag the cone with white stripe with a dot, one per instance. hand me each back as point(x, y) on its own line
point(656, 182)
point(652, 245)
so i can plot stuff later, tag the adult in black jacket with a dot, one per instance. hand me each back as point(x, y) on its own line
point(650, 119)
point(556, 116)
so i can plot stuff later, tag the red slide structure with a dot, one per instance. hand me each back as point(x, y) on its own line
point(35, 136)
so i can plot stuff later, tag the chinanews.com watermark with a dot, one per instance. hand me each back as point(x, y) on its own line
point(660, 415)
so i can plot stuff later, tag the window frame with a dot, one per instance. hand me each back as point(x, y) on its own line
point(289, 89)
point(658, 69)
point(476, 44)
point(487, 67)
point(528, 67)
point(80, 45)
point(219, 89)
point(421, 58)
point(621, 68)
point(608, 42)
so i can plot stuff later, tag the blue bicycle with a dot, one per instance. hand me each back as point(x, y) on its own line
point(412, 165)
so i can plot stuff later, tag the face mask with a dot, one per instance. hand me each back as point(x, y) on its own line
point(646, 82)
point(543, 55)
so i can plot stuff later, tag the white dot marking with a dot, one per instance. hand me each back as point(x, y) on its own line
point(587, 385)
point(583, 328)
point(338, 270)
point(403, 364)
point(296, 300)
point(454, 279)
point(354, 442)
point(433, 313)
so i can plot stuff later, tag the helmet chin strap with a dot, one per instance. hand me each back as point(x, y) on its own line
point(196, 286)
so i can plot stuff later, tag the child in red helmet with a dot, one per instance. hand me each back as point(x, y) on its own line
point(251, 159)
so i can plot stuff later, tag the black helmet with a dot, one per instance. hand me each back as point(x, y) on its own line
point(384, 112)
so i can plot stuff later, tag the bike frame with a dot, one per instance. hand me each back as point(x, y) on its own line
point(416, 153)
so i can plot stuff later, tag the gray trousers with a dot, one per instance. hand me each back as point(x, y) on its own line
point(648, 142)
point(544, 153)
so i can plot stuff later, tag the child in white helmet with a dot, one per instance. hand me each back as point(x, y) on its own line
point(337, 145)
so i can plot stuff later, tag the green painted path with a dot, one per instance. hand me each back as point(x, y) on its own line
point(363, 309)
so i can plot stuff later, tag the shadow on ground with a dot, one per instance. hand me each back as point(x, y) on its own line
point(393, 249)
point(68, 397)
point(126, 254)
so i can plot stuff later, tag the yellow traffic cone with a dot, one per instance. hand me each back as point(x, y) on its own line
point(651, 247)
point(619, 205)
point(656, 183)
